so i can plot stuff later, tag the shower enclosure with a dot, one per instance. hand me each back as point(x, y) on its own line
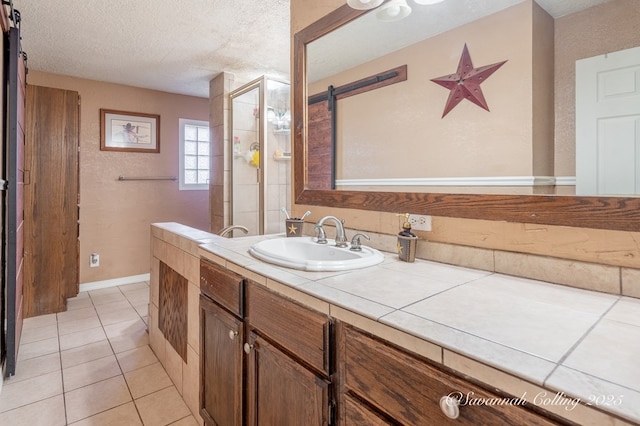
point(260, 117)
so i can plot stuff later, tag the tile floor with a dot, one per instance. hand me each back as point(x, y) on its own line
point(92, 365)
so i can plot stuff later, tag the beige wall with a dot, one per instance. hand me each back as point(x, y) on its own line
point(590, 245)
point(115, 216)
point(405, 119)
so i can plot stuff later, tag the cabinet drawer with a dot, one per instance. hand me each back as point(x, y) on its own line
point(222, 286)
point(409, 389)
point(299, 330)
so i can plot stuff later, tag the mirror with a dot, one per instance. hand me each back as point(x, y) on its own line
point(620, 213)
point(395, 138)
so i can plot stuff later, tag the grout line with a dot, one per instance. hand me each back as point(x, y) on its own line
point(113, 353)
point(562, 359)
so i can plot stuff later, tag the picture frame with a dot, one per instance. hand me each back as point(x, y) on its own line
point(129, 131)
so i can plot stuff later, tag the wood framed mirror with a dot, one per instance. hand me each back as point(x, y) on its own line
point(602, 212)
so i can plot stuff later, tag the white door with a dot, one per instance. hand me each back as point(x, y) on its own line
point(608, 124)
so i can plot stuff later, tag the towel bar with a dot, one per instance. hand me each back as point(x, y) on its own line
point(148, 178)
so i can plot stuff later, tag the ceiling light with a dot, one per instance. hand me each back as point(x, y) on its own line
point(364, 4)
point(393, 11)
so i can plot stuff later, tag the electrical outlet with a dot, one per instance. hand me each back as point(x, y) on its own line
point(420, 222)
point(94, 260)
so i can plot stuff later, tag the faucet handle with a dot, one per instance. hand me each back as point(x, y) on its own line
point(322, 237)
point(355, 241)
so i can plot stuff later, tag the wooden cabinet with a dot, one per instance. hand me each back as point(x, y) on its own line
point(280, 391)
point(221, 351)
point(288, 364)
point(381, 383)
point(267, 364)
point(221, 359)
point(267, 360)
point(51, 199)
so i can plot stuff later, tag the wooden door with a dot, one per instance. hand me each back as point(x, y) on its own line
point(281, 391)
point(221, 362)
point(608, 124)
point(14, 201)
point(51, 199)
point(320, 173)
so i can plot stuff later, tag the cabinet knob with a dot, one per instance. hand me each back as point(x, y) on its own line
point(232, 334)
point(247, 348)
point(450, 406)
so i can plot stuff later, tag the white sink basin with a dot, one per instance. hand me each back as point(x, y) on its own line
point(305, 254)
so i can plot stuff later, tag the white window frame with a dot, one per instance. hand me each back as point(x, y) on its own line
point(183, 186)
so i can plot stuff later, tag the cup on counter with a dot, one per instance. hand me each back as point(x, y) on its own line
point(294, 227)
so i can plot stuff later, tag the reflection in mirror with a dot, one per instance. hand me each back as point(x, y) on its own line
point(611, 213)
point(395, 138)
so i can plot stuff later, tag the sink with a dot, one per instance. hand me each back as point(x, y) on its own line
point(305, 254)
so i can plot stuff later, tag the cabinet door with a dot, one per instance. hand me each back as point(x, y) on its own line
point(221, 356)
point(282, 392)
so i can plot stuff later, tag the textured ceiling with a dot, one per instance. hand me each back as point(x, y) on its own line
point(170, 45)
point(175, 46)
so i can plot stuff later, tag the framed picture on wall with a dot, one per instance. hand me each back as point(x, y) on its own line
point(129, 131)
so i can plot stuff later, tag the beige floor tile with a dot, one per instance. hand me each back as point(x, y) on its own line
point(79, 303)
point(28, 368)
point(39, 348)
point(77, 314)
point(101, 299)
point(143, 309)
point(162, 407)
point(25, 392)
point(126, 342)
point(113, 306)
point(48, 412)
point(138, 296)
point(147, 380)
point(123, 415)
point(103, 291)
point(85, 353)
point(113, 317)
point(136, 358)
point(80, 324)
point(81, 338)
point(96, 398)
point(32, 334)
point(187, 421)
point(90, 372)
point(39, 321)
point(125, 327)
point(127, 288)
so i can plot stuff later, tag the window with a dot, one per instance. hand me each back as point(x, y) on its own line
point(194, 154)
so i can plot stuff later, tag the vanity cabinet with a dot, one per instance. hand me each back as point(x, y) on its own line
point(381, 384)
point(221, 346)
point(288, 371)
point(264, 359)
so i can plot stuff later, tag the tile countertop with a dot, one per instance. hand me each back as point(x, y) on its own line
point(566, 341)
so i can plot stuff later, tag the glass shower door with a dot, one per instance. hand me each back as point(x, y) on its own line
point(246, 138)
point(261, 155)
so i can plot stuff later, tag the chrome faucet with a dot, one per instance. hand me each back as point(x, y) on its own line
point(341, 237)
point(224, 231)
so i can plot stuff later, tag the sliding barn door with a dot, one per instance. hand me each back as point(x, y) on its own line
point(51, 199)
point(14, 200)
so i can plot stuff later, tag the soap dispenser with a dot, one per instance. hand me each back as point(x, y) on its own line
point(407, 241)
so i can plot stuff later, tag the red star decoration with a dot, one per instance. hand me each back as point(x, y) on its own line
point(465, 83)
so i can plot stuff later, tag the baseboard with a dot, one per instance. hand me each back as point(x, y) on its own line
point(114, 282)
